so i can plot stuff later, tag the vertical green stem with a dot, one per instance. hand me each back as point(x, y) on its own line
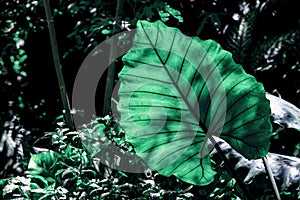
point(112, 68)
point(61, 83)
point(271, 177)
point(231, 169)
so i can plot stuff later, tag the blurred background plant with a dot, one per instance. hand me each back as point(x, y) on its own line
point(263, 36)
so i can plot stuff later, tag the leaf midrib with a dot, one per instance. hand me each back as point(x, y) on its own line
point(169, 74)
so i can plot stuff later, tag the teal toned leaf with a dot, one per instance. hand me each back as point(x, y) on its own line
point(106, 32)
point(167, 11)
point(176, 92)
point(40, 162)
point(44, 165)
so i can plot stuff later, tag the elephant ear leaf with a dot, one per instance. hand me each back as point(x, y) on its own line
point(176, 92)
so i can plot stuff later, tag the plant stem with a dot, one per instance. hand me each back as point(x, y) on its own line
point(112, 68)
point(271, 177)
point(231, 169)
point(61, 83)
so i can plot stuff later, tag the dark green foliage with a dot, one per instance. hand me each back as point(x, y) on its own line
point(96, 20)
point(70, 171)
point(269, 46)
point(240, 36)
point(268, 49)
point(271, 54)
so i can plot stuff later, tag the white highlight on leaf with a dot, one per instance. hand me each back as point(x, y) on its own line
point(283, 112)
point(236, 16)
point(284, 168)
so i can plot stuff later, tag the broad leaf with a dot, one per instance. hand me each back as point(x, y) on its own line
point(44, 165)
point(176, 92)
point(284, 168)
point(284, 113)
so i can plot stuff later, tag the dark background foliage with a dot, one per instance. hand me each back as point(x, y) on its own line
point(263, 36)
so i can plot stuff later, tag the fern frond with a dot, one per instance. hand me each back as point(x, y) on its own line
point(265, 54)
point(240, 37)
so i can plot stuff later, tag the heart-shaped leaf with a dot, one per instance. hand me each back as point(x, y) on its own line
point(176, 92)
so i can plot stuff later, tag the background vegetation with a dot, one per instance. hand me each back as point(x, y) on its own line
point(43, 158)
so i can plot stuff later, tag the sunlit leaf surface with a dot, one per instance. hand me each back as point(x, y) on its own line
point(177, 91)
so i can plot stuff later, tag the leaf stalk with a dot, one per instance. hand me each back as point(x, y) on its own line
point(271, 177)
point(231, 169)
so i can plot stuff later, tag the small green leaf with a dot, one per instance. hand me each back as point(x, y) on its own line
point(168, 10)
point(2, 182)
point(106, 32)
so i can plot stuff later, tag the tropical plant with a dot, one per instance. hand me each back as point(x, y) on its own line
point(262, 36)
point(176, 93)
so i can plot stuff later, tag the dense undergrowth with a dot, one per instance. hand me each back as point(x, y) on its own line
point(77, 165)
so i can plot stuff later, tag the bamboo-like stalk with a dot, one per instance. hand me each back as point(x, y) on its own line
point(61, 83)
point(112, 68)
point(271, 177)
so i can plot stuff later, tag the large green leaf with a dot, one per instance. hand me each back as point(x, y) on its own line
point(176, 92)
